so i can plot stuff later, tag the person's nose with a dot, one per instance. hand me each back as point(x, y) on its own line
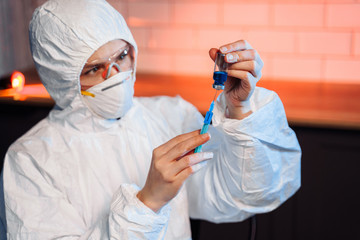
point(110, 71)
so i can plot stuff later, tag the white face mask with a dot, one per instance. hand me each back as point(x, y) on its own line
point(112, 98)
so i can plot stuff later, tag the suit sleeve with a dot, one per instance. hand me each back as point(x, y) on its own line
point(256, 165)
point(36, 208)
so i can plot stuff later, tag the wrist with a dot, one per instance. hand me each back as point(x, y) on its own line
point(155, 206)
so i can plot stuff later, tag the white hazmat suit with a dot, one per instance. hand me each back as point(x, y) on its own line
point(76, 175)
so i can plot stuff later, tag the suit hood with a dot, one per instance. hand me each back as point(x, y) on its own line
point(64, 34)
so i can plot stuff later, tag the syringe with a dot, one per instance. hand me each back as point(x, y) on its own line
point(207, 122)
point(220, 76)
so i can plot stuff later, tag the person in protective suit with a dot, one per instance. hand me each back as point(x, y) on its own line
point(106, 165)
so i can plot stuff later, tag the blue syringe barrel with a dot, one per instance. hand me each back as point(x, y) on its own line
point(206, 124)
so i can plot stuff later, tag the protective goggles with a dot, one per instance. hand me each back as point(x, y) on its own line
point(99, 70)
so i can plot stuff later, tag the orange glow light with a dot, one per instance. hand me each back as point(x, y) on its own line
point(17, 81)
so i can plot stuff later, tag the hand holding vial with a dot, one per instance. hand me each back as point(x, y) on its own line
point(244, 71)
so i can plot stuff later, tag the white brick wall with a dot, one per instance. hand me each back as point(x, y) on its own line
point(272, 41)
point(148, 13)
point(168, 38)
point(326, 43)
point(302, 15)
point(343, 15)
point(356, 43)
point(246, 14)
point(336, 69)
point(309, 40)
point(297, 68)
point(196, 13)
point(210, 37)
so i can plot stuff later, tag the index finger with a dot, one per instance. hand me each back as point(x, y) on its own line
point(180, 138)
point(182, 148)
point(235, 46)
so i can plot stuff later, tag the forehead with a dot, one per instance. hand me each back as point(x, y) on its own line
point(107, 49)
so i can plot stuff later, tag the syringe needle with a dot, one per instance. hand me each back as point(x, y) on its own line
point(216, 91)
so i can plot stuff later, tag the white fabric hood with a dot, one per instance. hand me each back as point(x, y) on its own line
point(64, 34)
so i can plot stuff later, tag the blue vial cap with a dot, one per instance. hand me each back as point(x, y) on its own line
point(219, 80)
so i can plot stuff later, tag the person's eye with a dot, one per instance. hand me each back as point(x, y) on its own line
point(92, 71)
point(124, 54)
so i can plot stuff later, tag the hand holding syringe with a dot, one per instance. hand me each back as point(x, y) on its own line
point(220, 76)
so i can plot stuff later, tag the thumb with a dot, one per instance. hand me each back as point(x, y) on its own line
point(212, 53)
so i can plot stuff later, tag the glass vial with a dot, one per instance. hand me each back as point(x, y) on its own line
point(220, 71)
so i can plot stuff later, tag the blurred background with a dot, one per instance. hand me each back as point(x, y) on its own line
point(311, 51)
point(307, 40)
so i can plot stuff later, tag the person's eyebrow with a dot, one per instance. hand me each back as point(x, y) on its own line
point(89, 66)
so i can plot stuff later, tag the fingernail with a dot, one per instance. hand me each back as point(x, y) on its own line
point(230, 58)
point(207, 155)
point(223, 49)
point(206, 135)
point(198, 166)
point(198, 157)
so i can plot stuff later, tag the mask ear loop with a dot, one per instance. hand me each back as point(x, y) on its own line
point(108, 70)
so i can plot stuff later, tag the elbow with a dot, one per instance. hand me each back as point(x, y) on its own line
point(280, 185)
